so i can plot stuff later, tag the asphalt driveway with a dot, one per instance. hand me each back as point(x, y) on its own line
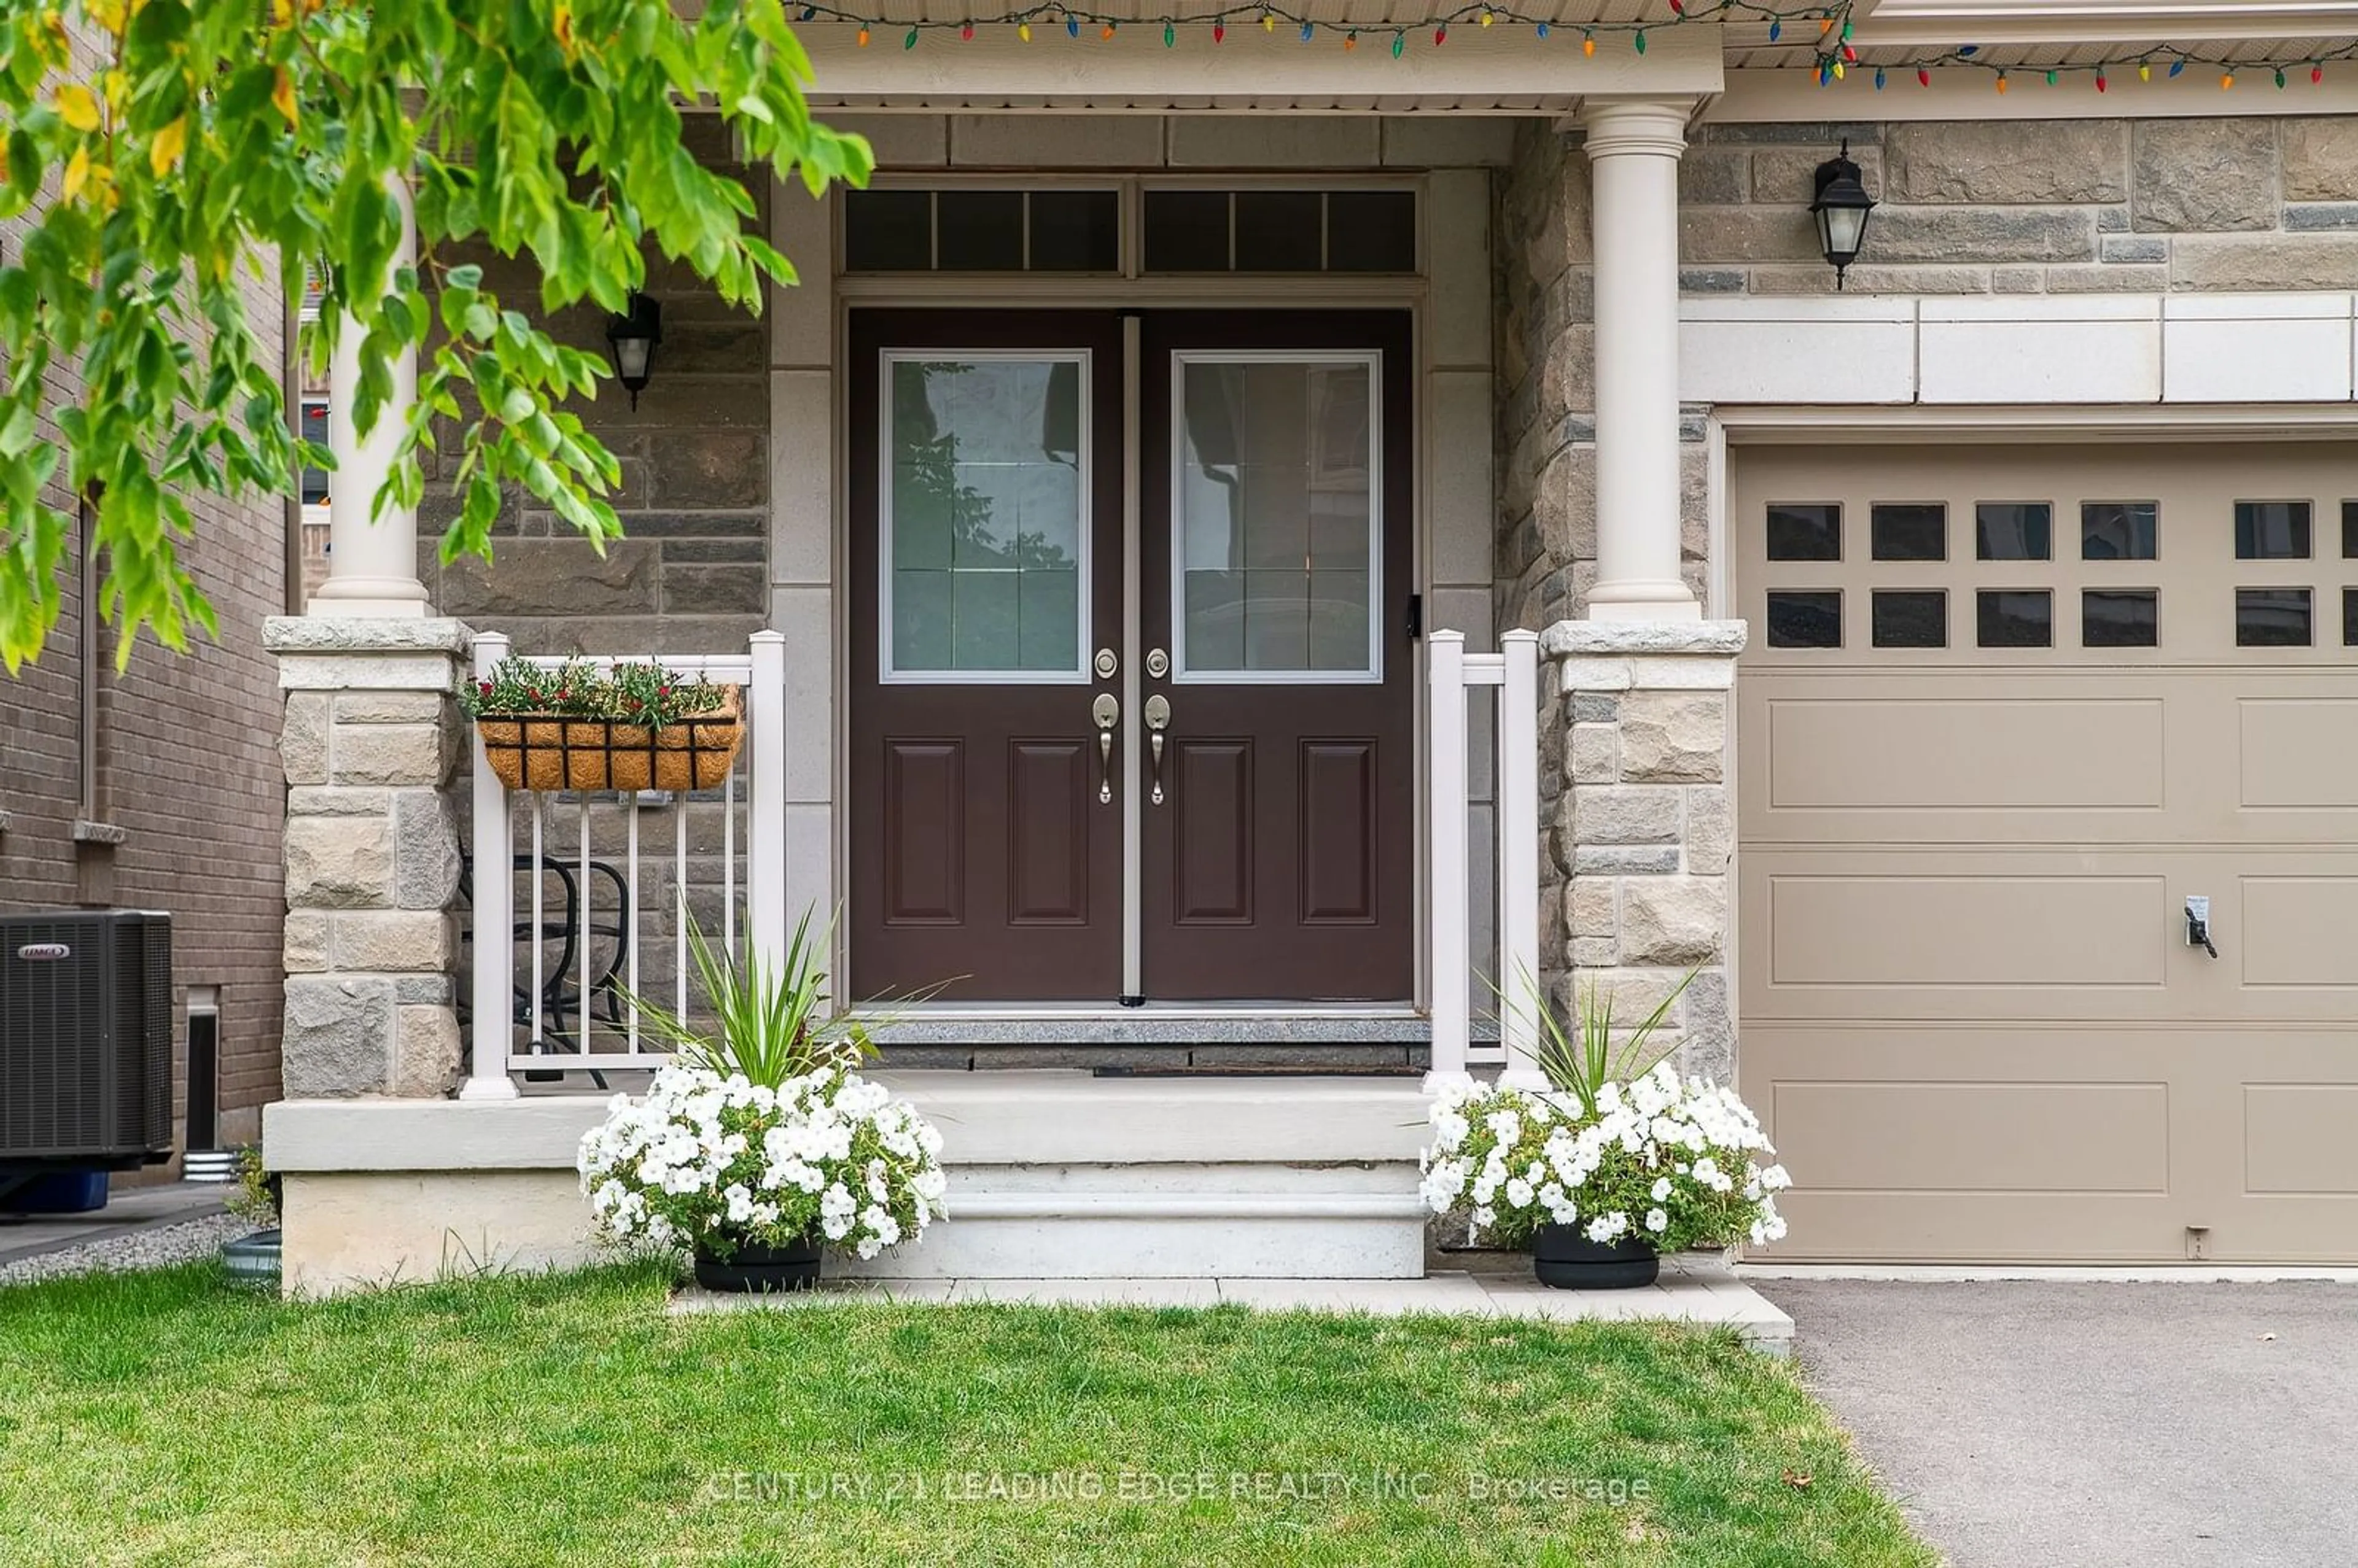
point(2040, 1425)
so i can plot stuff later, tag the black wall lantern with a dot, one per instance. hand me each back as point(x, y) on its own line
point(633, 339)
point(1841, 209)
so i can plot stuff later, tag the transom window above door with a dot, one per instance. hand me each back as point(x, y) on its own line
point(1132, 228)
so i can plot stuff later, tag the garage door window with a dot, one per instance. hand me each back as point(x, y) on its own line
point(2349, 530)
point(2272, 618)
point(1805, 620)
point(2012, 618)
point(1910, 618)
point(2014, 530)
point(1805, 533)
point(2350, 617)
point(1909, 532)
point(2120, 618)
point(2272, 530)
point(2119, 530)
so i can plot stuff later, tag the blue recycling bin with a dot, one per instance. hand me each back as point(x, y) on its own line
point(61, 1192)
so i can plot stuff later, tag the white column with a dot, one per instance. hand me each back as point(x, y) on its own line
point(1448, 893)
point(494, 897)
point(372, 566)
point(1633, 148)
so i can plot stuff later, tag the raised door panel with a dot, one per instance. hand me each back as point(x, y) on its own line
point(1048, 802)
point(1338, 832)
point(1212, 801)
point(925, 832)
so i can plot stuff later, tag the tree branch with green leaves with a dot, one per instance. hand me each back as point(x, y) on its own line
point(174, 166)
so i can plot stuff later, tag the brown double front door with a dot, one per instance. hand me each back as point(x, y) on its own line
point(1131, 699)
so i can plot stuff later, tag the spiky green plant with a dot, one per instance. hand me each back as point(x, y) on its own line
point(1581, 1061)
point(769, 1024)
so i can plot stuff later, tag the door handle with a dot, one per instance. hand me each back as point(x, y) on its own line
point(1107, 712)
point(2198, 925)
point(1158, 720)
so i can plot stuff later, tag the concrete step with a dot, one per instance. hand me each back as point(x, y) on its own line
point(1064, 1176)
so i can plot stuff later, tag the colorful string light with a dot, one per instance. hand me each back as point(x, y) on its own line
point(1832, 16)
point(2171, 60)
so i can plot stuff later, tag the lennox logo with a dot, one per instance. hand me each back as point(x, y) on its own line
point(37, 952)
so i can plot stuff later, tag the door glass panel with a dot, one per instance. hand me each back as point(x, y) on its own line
point(985, 518)
point(1277, 572)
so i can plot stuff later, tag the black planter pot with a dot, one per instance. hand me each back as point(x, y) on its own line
point(1566, 1258)
point(791, 1267)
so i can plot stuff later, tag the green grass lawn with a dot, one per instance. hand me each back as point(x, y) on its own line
point(166, 1418)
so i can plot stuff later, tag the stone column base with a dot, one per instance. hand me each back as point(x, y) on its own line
point(1643, 831)
point(373, 740)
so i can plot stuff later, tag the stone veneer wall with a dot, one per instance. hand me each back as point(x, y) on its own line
point(370, 748)
point(690, 573)
point(1641, 840)
point(2031, 206)
point(1545, 460)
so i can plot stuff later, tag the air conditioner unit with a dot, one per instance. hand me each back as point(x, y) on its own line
point(86, 1038)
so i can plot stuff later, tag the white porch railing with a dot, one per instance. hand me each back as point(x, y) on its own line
point(1514, 969)
point(499, 1006)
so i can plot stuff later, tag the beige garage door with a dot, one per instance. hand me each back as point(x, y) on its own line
point(2006, 709)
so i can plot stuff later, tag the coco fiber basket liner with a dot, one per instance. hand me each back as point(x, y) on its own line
point(530, 751)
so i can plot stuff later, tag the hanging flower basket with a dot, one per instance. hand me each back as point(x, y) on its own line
point(638, 727)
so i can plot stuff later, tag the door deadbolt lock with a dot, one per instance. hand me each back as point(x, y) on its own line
point(1158, 662)
point(1106, 664)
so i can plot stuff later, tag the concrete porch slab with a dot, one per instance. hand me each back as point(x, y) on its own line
point(1690, 1292)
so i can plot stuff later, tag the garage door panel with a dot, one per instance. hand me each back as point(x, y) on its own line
point(1978, 1228)
point(2298, 752)
point(1983, 930)
point(2186, 756)
point(1982, 766)
point(1936, 1135)
point(2300, 931)
point(2297, 1139)
point(1920, 754)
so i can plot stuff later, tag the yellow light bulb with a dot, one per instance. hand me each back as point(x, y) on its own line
point(1023, 31)
point(1268, 22)
point(1588, 45)
point(1486, 19)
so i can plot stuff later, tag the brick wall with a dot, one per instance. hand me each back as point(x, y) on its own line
point(2032, 205)
point(186, 807)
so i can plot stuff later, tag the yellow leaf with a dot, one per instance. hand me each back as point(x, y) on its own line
point(108, 14)
point(564, 26)
point(282, 93)
point(76, 107)
point(282, 11)
point(165, 151)
point(77, 174)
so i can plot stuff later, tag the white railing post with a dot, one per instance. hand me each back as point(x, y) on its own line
point(495, 905)
point(1452, 957)
point(1518, 859)
point(765, 846)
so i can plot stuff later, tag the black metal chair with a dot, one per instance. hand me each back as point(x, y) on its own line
point(571, 923)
